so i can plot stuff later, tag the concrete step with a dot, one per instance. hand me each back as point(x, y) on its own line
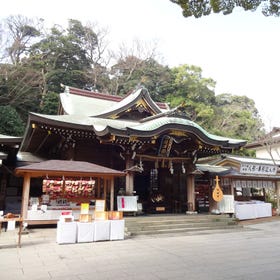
point(164, 224)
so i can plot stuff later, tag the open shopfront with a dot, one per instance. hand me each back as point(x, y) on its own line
point(65, 185)
point(254, 184)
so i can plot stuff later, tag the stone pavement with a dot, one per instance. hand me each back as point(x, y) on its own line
point(250, 253)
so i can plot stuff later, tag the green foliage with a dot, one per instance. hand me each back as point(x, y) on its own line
point(237, 116)
point(71, 56)
point(21, 33)
point(206, 7)
point(62, 57)
point(11, 123)
point(194, 91)
point(131, 72)
point(50, 104)
point(19, 88)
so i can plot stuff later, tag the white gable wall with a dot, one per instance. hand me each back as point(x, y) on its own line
point(262, 152)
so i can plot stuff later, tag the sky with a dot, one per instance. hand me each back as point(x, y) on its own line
point(239, 51)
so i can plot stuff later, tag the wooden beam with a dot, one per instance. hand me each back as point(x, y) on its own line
point(153, 158)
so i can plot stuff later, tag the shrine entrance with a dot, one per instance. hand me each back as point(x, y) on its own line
point(160, 191)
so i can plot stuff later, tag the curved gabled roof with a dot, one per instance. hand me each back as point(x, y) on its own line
point(138, 97)
point(166, 123)
point(150, 128)
point(87, 103)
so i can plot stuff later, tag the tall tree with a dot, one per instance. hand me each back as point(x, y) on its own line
point(199, 8)
point(20, 33)
point(133, 72)
point(237, 116)
point(11, 123)
point(194, 92)
point(61, 58)
point(20, 88)
point(99, 56)
point(131, 66)
point(19, 83)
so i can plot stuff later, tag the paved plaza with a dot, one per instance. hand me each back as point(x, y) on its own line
point(250, 253)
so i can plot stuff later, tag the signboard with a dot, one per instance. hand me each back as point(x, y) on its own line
point(165, 146)
point(99, 205)
point(127, 203)
point(258, 169)
point(84, 208)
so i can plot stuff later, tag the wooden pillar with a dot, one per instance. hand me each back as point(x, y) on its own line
point(129, 179)
point(112, 194)
point(25, 196)
point(231, 187)
point(190, 193)
point(3, 186)
point(105, 184)
point(98, 187)
point(278, 196)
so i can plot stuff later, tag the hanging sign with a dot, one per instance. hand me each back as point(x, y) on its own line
point(165, 146)
point(259, 169)
point(217, 192)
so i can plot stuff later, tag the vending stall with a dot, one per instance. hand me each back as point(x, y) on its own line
point(65, 185)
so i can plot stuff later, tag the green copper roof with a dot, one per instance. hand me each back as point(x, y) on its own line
point(157, 126)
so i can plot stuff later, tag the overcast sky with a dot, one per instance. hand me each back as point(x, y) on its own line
point(239, 51)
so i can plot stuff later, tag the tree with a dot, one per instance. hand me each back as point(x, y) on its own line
point(199, 8)
point(20, 34)
point(194, 92)
point(237, 116)
point(61, 58)
point(19, 82)
point(20, 88)
point(99, 56)
point(11, 123)
point(131, 67)
point(133, 72)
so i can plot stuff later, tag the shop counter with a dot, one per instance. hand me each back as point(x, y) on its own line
point(101, 230)
point(72, 232)
point(66, 232)
point(116, 229)
point(52, 214)
point(85, 232)
point(252, 210)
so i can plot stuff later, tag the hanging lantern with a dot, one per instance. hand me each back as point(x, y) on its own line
point(156, 164)
point(171, 169)
point(183, 168)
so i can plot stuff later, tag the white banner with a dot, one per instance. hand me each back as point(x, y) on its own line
point(127, 203)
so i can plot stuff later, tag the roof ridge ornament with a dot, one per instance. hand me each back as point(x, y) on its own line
point(66, 88)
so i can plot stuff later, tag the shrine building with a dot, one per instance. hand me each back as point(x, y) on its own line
point(156, 146)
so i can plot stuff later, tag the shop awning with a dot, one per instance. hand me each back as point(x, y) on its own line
point(67, 168)
point(213, 169)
